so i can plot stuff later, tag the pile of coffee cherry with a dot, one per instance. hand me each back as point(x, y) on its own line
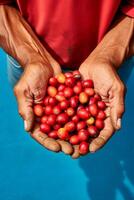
point(71, 110)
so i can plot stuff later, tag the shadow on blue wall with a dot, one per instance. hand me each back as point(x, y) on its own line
point(110, 171)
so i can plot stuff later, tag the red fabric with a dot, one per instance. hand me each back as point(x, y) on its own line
point(70, 29)
point(128, 8)
point(6, 2)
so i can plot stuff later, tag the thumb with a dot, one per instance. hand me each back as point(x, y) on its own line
point(55, 65)
point(25, 109)
point(117, 106)
point(56, 68)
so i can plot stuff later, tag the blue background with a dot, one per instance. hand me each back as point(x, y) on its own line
point(29, 172)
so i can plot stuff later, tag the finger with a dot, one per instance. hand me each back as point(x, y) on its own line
point(39, 93)
point(56, 68)
point(25, 109)
point(107, 112)
point(103, 137)
point(44, 140)
point(83, 72)
point(51, 144)
point(117, 106)
point(66, 147)
point(76, 153)
point(37, 134)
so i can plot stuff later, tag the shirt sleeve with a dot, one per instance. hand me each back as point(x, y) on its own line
point(128, 8)
point(6, 2)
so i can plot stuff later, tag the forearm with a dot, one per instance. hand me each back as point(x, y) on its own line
point(18, 39)
point(118, 43)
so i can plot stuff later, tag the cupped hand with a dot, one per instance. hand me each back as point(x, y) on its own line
point(31, 89)
point(111, 89)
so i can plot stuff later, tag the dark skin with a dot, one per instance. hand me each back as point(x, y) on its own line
point(39, 66)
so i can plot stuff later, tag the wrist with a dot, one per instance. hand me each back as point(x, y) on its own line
point(115, 46)
point(21, 43)
point(41, 68)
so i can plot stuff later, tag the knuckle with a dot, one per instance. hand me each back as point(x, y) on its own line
point(121, 109)
point(17, 89)
point(100, 141)
point(39, 137)
point(120, 88)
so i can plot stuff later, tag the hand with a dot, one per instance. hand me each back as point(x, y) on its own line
point(31, 89)
point(109, 86)
point(101, 66)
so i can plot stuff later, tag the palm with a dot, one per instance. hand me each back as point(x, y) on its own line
point(105, 81)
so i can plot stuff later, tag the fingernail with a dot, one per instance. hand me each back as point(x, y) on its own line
point(25, 125)
point(92, 148)
point(118, 123)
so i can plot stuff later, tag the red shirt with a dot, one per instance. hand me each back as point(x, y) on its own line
point(71, 29)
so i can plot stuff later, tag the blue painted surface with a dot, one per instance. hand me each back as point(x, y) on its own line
point(29, 172)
